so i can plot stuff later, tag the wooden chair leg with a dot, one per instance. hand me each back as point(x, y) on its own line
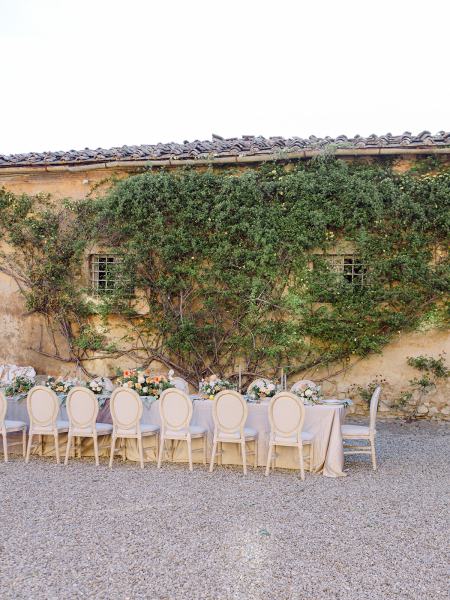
point(205, 449)
point(141, 451)
point(255, 464)
point(244, 456)
point(373, 452)
point(161, 450)
point(113, 448)
point(300, 457)
point(56, 437)
point(269, 459)
point(96, 449)
point(213, 455)
point(30, 438)
point(5, 446)
point(311, 457)
point(189, 445)
point(24, 442)
point(69, 444)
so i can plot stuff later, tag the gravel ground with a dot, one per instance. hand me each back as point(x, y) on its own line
point(87, 532)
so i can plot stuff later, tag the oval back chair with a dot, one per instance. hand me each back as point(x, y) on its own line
point(374, 408)
point(82, 409)
point(43, 409)
point(181, 384)
point(230, 412)
point(10, 427)
point(176, 409)
point(362, 432)
point(126, 411)
point(298, 385)
point(260, 382)
point(3, 407)
point(287, 417)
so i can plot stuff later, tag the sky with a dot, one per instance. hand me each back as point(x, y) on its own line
point(103, 73)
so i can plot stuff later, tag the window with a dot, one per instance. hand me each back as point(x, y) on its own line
point(103, 275)
point(349, 266)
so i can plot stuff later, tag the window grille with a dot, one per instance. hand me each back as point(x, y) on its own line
point(349, 266)
point(103, 275)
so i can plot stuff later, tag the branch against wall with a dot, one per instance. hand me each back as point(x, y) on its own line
point(216, 269)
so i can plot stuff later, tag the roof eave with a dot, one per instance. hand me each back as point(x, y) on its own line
point(224, 160)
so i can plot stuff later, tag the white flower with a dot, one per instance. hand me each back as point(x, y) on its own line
point(271, 386)
point(308, 393)
point(145, 389)
point(141, 378)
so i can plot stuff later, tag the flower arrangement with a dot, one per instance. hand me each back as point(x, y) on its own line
point(212, 385)
point(97, 385)
point(61, 386)
point(263, 391)
point(144, 383)
point(310, 393)
point(19, 385)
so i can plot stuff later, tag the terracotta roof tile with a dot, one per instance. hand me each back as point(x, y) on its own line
point(219, 147)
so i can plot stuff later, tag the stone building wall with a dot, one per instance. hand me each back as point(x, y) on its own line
point(21, 334)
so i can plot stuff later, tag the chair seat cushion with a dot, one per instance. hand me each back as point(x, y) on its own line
point(281, 439)
point(249, 432)
point(355, 430)
point(103, 428)
point(14, 425)
point(62, 425)
point(194, 430)
point(149, 428)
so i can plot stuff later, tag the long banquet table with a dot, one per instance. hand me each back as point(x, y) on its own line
point(322, 421)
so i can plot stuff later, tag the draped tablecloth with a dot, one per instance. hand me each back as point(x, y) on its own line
point(324, 422)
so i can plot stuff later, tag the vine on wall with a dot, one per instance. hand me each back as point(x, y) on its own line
point(229, 267)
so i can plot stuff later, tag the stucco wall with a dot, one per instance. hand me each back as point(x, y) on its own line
point(22, 334)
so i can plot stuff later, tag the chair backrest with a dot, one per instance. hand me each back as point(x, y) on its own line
point(374, 407)
point(181, 384)
point(230, 411)
point(286, 415)
point(82, 408)
point(175, 409)
point(261, 382)
point(299, 384)
point(3, 407)
point(126, 410)
point(43, 407)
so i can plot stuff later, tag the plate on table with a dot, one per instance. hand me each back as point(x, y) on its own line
point(335, 402)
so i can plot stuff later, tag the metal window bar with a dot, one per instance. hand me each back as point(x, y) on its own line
point(349, 266)
point(103, 277)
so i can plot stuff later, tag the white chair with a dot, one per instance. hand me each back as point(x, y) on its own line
point(10, 427)
point(230, 413)
point(181, 384)
point(298, 385)
point(361, 432)
point(126, 410)
point(287, 416)
point(175, 408)
point(82, 409)
point(43, 409)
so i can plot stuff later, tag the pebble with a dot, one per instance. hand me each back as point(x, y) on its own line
point(86, 532)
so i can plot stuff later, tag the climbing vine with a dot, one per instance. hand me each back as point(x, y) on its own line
point(218, 268)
